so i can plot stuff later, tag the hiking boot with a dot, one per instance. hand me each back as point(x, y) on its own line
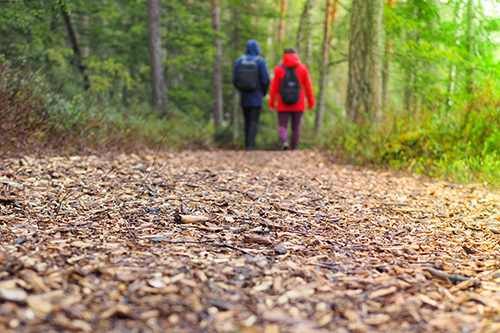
point(285, 146)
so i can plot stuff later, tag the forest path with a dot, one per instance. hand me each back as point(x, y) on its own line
point(288, 241)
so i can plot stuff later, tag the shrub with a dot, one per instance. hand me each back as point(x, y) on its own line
point(23, 108)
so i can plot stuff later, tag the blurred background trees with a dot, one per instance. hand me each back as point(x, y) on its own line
point(407, 84)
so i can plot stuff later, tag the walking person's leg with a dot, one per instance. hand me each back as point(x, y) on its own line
point(253, 125)
point(296, 121)
point(283, 128)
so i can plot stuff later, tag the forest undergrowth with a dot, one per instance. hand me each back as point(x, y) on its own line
point(458, 143)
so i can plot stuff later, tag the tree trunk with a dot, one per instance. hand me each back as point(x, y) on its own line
point(358, 56)
point(77, 46)
point(309, 50)
point(236, 117)
point(304, 32)
point(374, 103)
point(330, 16)
point(275, 33)
point(308, 40)
point(452, 74)
point(284, 5)
point(156, 56)
point(218, 106)
point(85, 43)
point(432, 67)
point(470, 45)
point(236, 96)
point(364, 89)
point(451, 86)
point(410, 72)
point(387, 58)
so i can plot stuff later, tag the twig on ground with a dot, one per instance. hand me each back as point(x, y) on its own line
point(455, 278)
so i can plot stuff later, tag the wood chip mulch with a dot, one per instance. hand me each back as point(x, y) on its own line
point(229, 241)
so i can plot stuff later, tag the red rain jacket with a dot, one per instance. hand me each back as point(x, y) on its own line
point(292, 60)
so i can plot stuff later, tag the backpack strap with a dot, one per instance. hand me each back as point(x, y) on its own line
point(294, 68)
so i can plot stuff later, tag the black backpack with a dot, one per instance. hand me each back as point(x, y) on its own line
point(290, 86)
point(247, 75)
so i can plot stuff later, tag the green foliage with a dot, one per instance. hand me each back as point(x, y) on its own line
point(267, 138)
point(460, 144)
point(441, 119)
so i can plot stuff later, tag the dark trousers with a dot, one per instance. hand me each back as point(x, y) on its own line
point(283, 118)
point(252, 114)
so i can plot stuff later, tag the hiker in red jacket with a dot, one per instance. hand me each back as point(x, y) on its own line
point(293, 111)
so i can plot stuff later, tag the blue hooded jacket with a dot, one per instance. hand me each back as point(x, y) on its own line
point(254, 98)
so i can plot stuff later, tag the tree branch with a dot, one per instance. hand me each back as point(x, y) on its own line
point(336, 62)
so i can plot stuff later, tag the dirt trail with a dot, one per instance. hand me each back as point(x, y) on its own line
point(230, 241)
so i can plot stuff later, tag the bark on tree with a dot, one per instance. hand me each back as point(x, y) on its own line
point(453, 68)
point(77, 47)
point(410, 72)
point(284, 5)
point(156, 57)
point(236, 96)
point(304, 33)
point(374, 103)
point(470, 45)
point(218, 103)
point(451, 85)
point(387, 57)
point(364, 91)
point(330, 16)
point(309, 51)
point(358, 57)
point(85, 44)
point(432, 69)
point(275, 34)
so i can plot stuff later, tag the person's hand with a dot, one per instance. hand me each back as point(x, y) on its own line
point(272, 108)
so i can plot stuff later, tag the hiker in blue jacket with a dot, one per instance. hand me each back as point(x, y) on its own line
point(251, 78)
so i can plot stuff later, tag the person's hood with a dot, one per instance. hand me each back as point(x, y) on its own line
point(253, 47)
point(291, 60)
